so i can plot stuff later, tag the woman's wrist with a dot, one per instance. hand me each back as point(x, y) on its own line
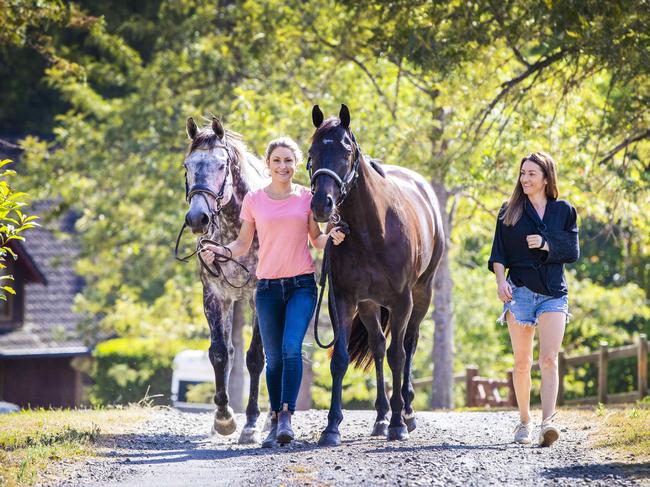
point(322, 240)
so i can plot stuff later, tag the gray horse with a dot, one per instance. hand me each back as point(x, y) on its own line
point(219, 173)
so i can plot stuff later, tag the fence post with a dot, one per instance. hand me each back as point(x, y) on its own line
point(602, 373)
point(561, 372)
point(642, 365)
point(471, 371)
point(512, 397)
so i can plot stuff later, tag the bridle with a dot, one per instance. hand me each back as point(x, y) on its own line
point(346, 183)
point(203, 190)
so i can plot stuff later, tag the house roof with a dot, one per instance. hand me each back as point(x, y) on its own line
point(31, 270)
point(50, 324)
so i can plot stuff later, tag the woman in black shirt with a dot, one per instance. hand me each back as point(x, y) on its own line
point(536, 234)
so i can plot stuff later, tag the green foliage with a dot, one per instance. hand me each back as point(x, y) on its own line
point(202, 393)
point(12, 223)
point(456, 91)
point(126, 370)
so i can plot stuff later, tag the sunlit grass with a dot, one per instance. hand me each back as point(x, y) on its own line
point(33, 442)
point(626, 431)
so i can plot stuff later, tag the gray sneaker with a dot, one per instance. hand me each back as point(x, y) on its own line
point(522, 433)
point(548, 434)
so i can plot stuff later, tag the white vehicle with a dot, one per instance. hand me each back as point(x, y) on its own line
point(8, 407)
point(190, 367)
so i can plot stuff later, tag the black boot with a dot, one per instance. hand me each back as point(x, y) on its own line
point(285, 433)
point(271, 439)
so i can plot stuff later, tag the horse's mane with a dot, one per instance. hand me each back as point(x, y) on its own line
point(251, 167)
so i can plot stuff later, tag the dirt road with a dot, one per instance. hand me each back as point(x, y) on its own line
point(464, 448)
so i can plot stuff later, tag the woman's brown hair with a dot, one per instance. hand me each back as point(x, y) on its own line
point(515, 206)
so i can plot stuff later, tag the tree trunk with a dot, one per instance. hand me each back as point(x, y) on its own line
point(443, 342)
point(237, 382)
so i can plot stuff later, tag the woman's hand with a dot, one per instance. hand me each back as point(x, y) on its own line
point(210, 252)
point(504, 291)
point(336, 235)
point(536, 242)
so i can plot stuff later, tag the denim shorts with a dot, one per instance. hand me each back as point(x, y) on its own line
point(526, 306)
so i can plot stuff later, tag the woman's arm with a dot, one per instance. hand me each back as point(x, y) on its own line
point(319, 239)
point(563, 245)
point(498, 253)
point(504, 291)
point(238, 247)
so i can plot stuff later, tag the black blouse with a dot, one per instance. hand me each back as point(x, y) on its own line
point(538, 270)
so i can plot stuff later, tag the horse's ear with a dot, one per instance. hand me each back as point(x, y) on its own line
point(317, 116)
point(191, 128)
point(217, 128)
point(344, 115)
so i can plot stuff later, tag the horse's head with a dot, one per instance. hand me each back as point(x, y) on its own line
point(208, 177)
point(333, 162)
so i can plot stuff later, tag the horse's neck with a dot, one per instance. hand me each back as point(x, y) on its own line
point(242, 185)
point(362, 210)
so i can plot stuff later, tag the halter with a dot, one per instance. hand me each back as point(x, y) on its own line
point(203, 189)
point(346, 183)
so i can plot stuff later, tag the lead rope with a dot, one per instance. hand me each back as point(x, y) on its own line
point(326, 273)
point(218, 259)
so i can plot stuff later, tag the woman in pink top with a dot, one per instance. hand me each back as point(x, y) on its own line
point(286, 288)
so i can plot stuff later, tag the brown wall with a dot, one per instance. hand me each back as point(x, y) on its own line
point(39, 382)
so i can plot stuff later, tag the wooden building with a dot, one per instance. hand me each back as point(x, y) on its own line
point(38, 328)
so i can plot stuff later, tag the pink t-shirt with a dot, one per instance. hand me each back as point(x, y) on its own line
point(283, 232)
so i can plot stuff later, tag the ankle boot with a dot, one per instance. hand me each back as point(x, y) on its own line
point(271, 439)
point(285, 433)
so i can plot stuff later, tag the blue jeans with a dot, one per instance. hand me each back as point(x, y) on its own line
point(284, 307)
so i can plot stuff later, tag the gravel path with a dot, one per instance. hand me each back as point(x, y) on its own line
point(464, 448)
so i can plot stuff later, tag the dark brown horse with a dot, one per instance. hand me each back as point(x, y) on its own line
point(382, 274)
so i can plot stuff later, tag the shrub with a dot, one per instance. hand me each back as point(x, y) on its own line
point(125, 370)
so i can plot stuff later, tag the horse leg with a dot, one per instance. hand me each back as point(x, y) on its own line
point(338, 366)
point(218, 313)
point(421, 299)
point(400, 314)
point(255, 364)
point(369, 313)
point(408, 392)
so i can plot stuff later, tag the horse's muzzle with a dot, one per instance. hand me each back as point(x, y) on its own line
point(198, 221)
point(322, 206)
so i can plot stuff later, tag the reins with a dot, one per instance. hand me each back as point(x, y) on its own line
point(326, 273)
point(216, 270)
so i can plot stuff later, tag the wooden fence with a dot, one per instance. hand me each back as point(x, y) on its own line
point(483, 391)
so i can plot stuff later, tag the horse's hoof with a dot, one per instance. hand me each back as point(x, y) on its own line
point(397, 433)
point(224, 422)
point(411, 423)
point(380, 428)
point(327, 438)
point(249, 436)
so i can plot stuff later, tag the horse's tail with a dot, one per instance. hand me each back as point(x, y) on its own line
point(359, 347)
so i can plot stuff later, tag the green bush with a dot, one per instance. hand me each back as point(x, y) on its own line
point(126, 370)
